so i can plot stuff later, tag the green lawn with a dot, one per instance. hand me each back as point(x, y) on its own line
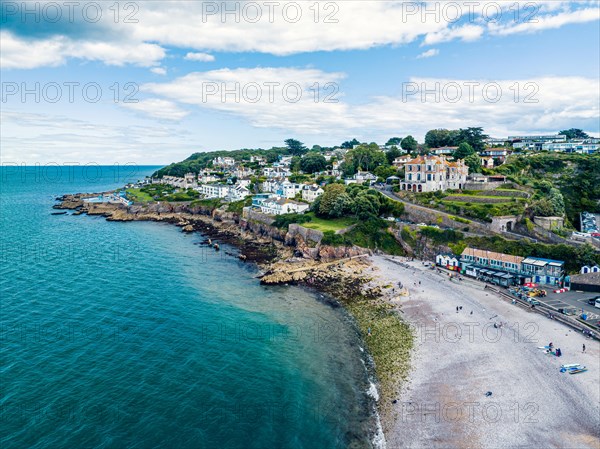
point(492, 197)
point(138, 196)
point(329, 224)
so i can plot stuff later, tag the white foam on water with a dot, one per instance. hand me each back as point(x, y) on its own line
point(379, 437)
point(372, 391)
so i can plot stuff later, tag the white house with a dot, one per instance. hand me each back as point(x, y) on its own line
point(213, 190)
point(311, 193)
point(487, 162)
point(233, 193)
point(443, 151)
point(361, 177)
point(401, 160)
point(238, 192)
point(586, 269)
point(242, 172)
point(282, 206)
point(258, 159)
point(270, 186)
point(223, 162)
point(288, 189)
point(205, 177)
point(276, 172)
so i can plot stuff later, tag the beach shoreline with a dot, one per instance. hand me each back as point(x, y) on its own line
point(405, 314)
point(488, 345)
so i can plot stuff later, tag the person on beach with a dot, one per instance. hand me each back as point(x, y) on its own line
point(456, 309)
point(583, 348)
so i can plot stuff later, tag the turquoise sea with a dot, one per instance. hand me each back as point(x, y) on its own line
point(132, 335)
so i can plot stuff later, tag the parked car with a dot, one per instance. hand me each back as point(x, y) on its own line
point(592, 301)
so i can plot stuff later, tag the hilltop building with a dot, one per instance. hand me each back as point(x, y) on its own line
point(432, 173)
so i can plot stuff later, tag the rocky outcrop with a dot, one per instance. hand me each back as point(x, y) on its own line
point(257, 237)
point(340, 252)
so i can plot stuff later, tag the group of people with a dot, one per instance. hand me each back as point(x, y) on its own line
point(557, 352)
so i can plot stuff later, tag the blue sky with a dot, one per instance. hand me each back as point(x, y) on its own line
point(376, 56)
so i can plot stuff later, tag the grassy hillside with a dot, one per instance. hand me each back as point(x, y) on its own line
point(576, 176)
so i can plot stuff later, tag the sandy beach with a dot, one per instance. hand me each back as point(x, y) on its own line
point(461, 356)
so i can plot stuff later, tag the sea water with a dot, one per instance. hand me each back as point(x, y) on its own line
point(134, 335)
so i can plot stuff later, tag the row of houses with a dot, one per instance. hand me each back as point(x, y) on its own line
point(289, 190)
point(504, 269)
point(550, 142)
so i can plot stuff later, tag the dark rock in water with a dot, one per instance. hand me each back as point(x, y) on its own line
point(58, 213)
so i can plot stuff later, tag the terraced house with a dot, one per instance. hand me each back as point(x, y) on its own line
point(506, 269)
point(432, 173)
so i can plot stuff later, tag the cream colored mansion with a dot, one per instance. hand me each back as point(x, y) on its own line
point(432, 173)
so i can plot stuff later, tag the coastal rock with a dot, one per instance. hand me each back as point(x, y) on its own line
point(341, 252)
point(188, 228)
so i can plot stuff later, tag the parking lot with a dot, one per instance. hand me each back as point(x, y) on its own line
point(572, 299)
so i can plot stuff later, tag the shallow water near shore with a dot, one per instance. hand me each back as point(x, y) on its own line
point(134, 335)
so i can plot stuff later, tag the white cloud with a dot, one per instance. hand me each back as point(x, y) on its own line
point(203, 57)
point(159, 70)
point(467, 33)
point(18, 53)
point(52, 138)
point(158, 108)
point(321, 27)
point(429, 53)
point(548, 22)
point(265, 97)
point(541, 104)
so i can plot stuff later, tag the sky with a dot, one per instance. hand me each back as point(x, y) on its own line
point(152, 82)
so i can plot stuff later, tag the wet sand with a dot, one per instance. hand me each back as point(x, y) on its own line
point(458, 357)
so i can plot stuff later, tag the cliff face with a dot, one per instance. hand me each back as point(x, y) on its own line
point(256, 232)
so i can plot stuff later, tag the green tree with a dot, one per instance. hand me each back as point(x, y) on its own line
point(394, 141)
point(364, 157)
point(385, 171)
point(392, 154)
point(463, 150)
point(542, 208)
point(295, 164)
point(327, 200)
point(473, 136)
point(436, 138)
point(473, 161)
point(342, 205)
point(364, 208)
point(349, 144)
point(557, 201)
point(574, 133)
point(312, 163)
point(409, 144)
point(295, 147)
